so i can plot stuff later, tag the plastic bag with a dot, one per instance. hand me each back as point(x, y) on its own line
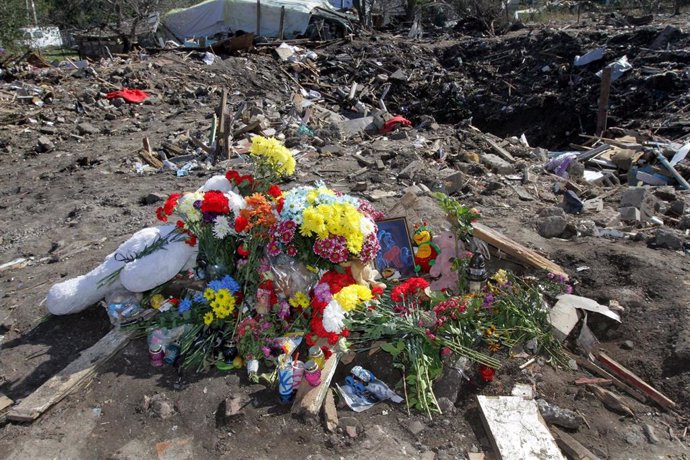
point(291, 276)
point(122, 305)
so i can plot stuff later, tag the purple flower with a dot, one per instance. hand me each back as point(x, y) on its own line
point(323, 293)
point(266, 351)
point(284, 311)
point(568, 289)
point(488, 300)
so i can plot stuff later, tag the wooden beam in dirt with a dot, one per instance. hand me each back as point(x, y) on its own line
point(309, 399)
point(571, 447)
point(5, 402)
point(596, 370)
point(524, 255)
point(632, 379)
point(72, 377)
point(602, 115)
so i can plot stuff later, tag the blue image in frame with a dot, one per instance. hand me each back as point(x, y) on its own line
point(395, 260)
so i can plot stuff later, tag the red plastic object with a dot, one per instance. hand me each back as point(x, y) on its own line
point(134, 96)
point(393, 123)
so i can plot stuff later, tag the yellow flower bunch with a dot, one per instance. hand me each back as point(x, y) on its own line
point(314, 194)
point(501, 277)
point(223, 303)
point(299, 300)
point(156, 301)
point(273, 153)
point(350, 296)
point(341, 219)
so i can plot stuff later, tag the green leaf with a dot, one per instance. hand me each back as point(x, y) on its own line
point(394, 350)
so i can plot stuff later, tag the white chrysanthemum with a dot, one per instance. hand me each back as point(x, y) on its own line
point(333, 316)
point(366, 226)
point(236, 202)
point(221, 227)
point(186, 209)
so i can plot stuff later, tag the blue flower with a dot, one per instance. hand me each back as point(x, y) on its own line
point(185, 304)
point(227, 282)
point(199, 298)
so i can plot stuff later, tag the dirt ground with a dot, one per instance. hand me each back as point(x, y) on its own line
point(67, 208)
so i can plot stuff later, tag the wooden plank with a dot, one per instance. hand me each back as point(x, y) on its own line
point(571, 447)
point(593, 381)
point(515, 249)
point(309, 399)
point(77, 373)
point(500, 150)
point(603, 112)
point(5, 402)
point(281, 28)
point(632, 379)
point(516, 428)
point(594, 369)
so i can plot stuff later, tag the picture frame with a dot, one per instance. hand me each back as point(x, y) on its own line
point(395, 259)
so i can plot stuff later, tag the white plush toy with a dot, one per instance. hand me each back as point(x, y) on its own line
point(138, 275)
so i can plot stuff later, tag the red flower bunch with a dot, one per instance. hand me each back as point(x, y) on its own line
point(275, 191)
point(335, 281)
point(168, 208)
point(409, 288)
point(241, 223)
point(215, 202)
point(486, 373)
point(448, 310)
point(235, 178)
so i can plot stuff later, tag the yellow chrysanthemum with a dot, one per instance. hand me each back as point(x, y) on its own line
point(350, 296)
point(208, 318)
point(209, 294)
point(312, 222)
point(156, 301)
point(222, 295)
point(299, 300)
point(501, 277)
point(274, 153)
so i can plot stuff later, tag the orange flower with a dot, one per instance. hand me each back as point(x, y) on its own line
point(258, 212)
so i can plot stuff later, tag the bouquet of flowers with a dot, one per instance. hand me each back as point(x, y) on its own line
point(323, 228)
point(423, 327)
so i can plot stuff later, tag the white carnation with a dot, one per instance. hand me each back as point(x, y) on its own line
point(236, 202)
point(333, 316)
point(366, 226)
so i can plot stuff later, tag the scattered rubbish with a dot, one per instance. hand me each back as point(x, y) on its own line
point(362, 390)
point(134, 96)
point(619, 67)
point(590, 56)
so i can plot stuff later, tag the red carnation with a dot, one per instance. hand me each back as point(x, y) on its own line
point(243, 250)
point(275, 191)
point(191, 240)
point(487, 373)
point(376, 291)
point(215, 202)
point(241, 223)
point(279, 206)
point(170, 203)
point(326, 352)
point(179, 224)
point(233, 176)
point(160, 214)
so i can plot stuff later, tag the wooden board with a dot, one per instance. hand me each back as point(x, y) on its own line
point(516, 428)
point(594, 369)
point(77, 373)
point(515, 249)
point(632, 379)
point(5, 402)
point(309, 399)
point(571, 447)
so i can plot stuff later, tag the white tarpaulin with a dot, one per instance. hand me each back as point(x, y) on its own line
point(221, 16)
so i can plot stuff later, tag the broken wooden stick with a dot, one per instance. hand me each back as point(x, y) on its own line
point(309, 399)
point(77, 373)
point(594, 369)
point(515, 249)
point(148, 156)
point(632, 379)
point(571, 447)
point(593, 381)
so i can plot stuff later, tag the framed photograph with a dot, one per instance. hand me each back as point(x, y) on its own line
point(395, 260)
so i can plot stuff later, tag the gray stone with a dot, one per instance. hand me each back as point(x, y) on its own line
point(155, 198)
point(667, 238)
point(399, 75)
point(233, 406)
point(351, 426)
point(117, 102)
point(411, 169)
point(331, 149)
point(587, 228)
point(558, 416)
point(634, 196)
point(684, 222)
point(576, 170)
point(448, 386)
point(45, 144)
point(159, 405)
point(630, 214)
point(87, 128)
point(446, 405)
point(650, 434)
point(677, 208)
point(497, 164)
point(415, 427)
point(552, 226)
point(47, 129)
point(552, 211)
point(628, 345)
point(350, 128)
